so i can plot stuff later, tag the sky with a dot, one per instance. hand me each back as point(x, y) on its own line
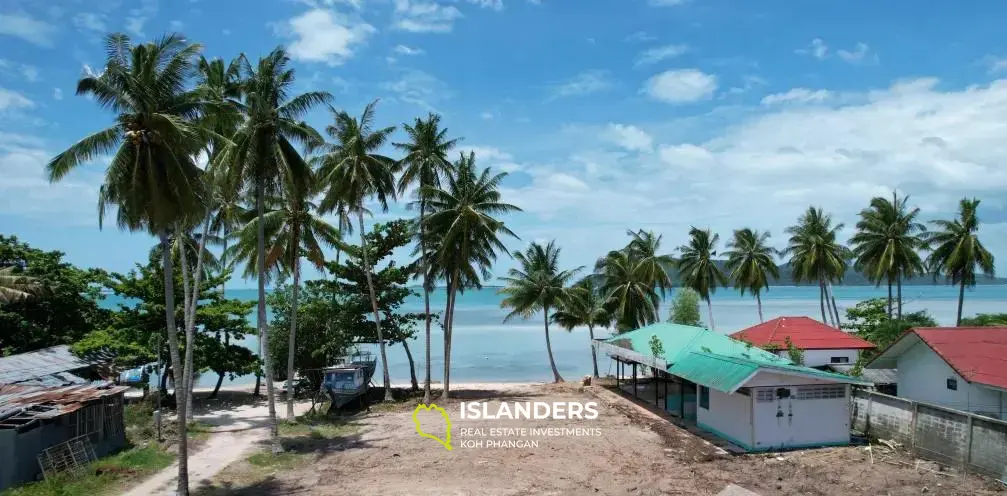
point(607, 115)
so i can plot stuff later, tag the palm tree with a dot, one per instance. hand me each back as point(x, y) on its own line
point(16, 287)
point(643, 246)
point(584, 305)
point(816, 256)
point(263, 159)
point(886, 243)
point(463, 228)
point(152, 180)
point(354, 172)
point(751, 262)
point(956, 252)
point(630, 293)
point(697, 268)
point(537, 285)
point(425, 163)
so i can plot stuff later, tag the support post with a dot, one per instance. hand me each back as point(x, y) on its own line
point(867, 415)
point(618, 372)
point(916, 411)
point(968, 445)
point(654, 372)
point(634, 380)
point(681, 397)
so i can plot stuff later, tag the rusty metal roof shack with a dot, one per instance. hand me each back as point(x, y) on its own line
point(40, 363)
point(33, 418)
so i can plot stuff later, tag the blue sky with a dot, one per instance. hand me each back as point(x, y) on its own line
point(608, 114)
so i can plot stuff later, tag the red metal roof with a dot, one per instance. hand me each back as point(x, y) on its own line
point(806, 334)
point(978, 354)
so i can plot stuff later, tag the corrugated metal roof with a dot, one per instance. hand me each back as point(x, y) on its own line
point(876, 376)
point(727, 374)
point(677, 339)
point(806, 334)
point(47, 361)
point(46, 402)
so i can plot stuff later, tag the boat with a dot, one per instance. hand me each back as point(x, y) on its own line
point(349, 380)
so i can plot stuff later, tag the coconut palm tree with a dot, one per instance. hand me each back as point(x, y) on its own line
point(697, 268)
point(152, 180)
point(887, 242)
point(643, 246)
point(425, 164)
point(816, 256)
point(262, 158)
point(752, 262)
point(628, 287)
point(16, 287)
point(354, 171)
point(537, 285)
point(956, 252)
point(463, 227)
point(584, 305)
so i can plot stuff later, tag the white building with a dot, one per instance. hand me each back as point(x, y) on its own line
point(955, 367)
point(822, 344)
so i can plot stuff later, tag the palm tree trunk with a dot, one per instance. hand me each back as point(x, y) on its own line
point(758, 303)
point(548, 346)
point(889, 297)
point(709, 310)
point(594, 352)
point(187, 376)
point(412, 366)
point(821, 300)
point(448, 315)
point(374, 305)
point(190, 324)
point(293, 339)
point(899, 282)
point(961, 302)
point(274, 431)
point(216, 388)
point(426, 298)
point(835, 308)
point(176, 362)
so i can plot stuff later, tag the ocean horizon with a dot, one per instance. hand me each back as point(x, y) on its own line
point(485, 349)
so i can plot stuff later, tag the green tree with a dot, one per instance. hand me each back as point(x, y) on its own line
point(464, 228)
point(957, 253)
point(425, 164)
point(985, 320)
point(354, 171)
point(887, 242)
point(537, 286)
point(816, 256)
point(584, 305)
point(869, 320)
point(643, 247)
point(15, 286)
point(631, 293)
point(751, 262)
point(795, 354)
point(656, 347)
point(697, 268)
point(685, 308)
point(263, 160)
point(152, 180)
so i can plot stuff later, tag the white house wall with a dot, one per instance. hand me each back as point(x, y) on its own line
point(729, 417)
point(795, 423)
point(818, 358)
point(923, 377)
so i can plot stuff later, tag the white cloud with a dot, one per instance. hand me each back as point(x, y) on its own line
point(861, 54)
point(322, 35)
point(660, 53)
point(405, 50)
point(10, 100)
point(666, 3)
point(30, 73)
point(681, 86)
point(139, 15)
point(57, 94)
point(817, 49)
point(748, 83)
point(994, 63)
point(488, 4)
point(490, 156)
point(420, 16)
point(486, 115)
point(418, 88)
point(585, 83)
point(798, 95)
point(629, 137)
point(176, 25)
point(22, 25)
point(640, 36)
point(91, 21)
point(26, 191)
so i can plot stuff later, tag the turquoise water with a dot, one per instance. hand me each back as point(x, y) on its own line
point(485, 348)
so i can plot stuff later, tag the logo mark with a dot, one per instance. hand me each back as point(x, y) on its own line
point(446, 442)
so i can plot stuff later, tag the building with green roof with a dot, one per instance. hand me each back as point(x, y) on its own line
point(751, 397)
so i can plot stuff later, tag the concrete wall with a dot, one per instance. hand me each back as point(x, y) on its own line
point(948, 436)
point(797, 422)
point(923, 377)
point(729, 416)
point(817, 358)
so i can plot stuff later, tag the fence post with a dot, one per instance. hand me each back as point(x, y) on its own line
point(867, 415)
point(916, 411)
point(968, 444)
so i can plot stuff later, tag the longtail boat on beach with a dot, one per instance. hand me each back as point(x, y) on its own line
point(350, 379)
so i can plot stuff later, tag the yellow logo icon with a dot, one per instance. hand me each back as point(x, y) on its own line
point(446, 442)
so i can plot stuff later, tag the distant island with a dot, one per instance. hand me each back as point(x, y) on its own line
point(852, 278)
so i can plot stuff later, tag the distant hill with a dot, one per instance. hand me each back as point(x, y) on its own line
point(852, 278)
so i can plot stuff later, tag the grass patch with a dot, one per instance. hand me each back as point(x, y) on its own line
point(280, 461)
point(315, 425)
point(105, 476)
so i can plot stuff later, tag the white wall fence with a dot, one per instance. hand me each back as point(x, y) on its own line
point(950, 437)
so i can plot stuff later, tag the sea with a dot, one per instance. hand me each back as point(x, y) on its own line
point(487, 349)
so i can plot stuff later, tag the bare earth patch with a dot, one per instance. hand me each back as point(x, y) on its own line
point(380, 453)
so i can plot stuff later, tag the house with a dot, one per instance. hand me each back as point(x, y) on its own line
point(53, 366)
point(822, 344)
point(964, 368)
point(750, 397)
point(35, 418)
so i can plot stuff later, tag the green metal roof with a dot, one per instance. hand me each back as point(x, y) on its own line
point(714, 360)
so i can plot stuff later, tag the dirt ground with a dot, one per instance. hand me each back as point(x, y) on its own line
point(634, 453)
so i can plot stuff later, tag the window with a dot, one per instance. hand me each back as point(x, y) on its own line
point(704, 397)
point(821, 392)
point(952, 383)
point(839, 359)
point(764, 395)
